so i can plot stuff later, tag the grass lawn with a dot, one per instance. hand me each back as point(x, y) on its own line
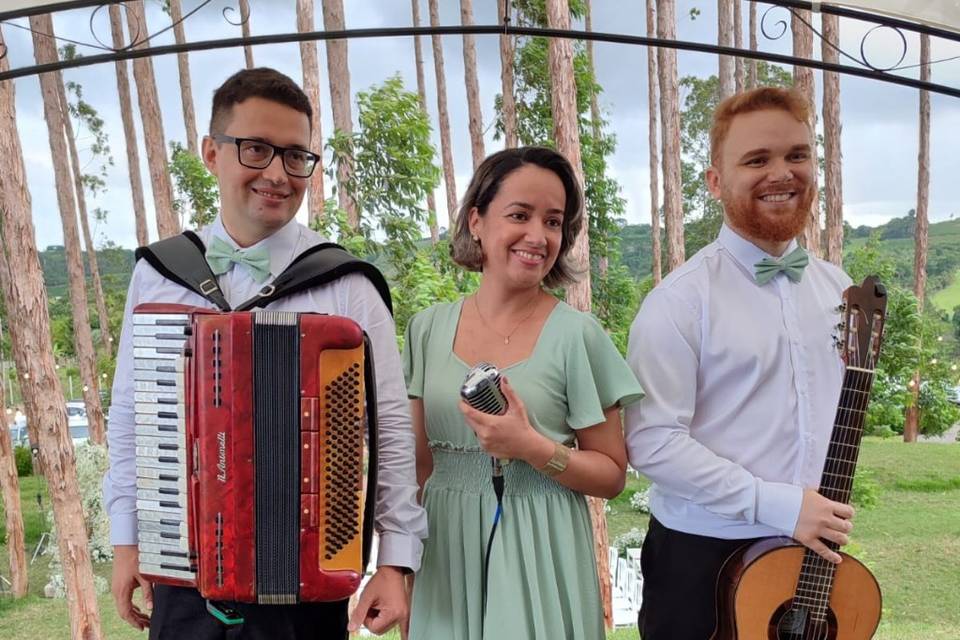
point(910, 540)
point(947, 299)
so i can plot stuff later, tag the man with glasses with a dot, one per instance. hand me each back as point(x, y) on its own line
point(258, 151)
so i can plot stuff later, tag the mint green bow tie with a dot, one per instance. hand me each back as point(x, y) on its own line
point(791, 264)
point(220, 255)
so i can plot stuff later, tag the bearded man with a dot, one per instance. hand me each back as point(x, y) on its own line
point(735, 351)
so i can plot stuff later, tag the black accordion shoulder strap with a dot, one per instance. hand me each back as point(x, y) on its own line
point(318, 265)
point(182, 259)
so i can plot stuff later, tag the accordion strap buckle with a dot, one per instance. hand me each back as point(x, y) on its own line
point(208, 286)
point(267, 291)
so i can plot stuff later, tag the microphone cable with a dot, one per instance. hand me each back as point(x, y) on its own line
point(498, 491)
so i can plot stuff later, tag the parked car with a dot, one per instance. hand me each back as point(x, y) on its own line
point(76, 422)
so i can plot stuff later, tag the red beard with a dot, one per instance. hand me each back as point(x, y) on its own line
point(743, 214)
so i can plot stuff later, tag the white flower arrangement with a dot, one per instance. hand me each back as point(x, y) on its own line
point(632, 539)
point(640, 501)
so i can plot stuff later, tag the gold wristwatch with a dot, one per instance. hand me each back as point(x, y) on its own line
point(558, 462)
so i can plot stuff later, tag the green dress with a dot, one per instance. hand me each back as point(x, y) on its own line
point(542, 576)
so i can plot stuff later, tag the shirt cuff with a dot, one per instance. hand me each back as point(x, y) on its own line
point(778, 505)
point(123, 528)
point(399, 550)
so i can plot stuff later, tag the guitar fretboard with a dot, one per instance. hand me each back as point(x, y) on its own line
point(816, 574)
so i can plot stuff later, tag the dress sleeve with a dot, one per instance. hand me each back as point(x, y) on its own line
point(414, 352)
point(597, 376)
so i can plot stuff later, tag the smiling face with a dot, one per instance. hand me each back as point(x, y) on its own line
point(765, 176)
point(521, 231)
point(254, 203)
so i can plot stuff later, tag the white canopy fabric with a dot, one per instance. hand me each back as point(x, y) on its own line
point(944, 14)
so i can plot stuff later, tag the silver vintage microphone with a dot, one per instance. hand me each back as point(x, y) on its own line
point(481, 390)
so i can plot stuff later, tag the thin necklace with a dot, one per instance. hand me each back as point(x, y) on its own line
point(506, 338)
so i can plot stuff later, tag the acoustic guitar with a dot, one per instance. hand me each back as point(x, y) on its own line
point(777, 589)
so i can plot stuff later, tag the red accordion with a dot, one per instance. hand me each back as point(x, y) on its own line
point(249, 439)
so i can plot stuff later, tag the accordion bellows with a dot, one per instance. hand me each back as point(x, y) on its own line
point(249, 440)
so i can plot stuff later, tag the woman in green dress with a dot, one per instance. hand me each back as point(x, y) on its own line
point(565, 383)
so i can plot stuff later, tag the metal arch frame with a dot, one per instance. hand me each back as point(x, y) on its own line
point(866, 70)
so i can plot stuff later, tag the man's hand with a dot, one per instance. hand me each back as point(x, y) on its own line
point(823, 518)
point(126, 578)
point(383, 603)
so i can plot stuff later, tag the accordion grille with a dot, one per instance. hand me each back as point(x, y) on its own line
point(343, 469)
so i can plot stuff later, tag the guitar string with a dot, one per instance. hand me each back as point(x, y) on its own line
point(847, 429)
point(854, 430)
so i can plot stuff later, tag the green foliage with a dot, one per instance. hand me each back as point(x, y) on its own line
point(22, 456)
point(866, 489)
point(910, 344)
point(88, 128)
point(393, 170)
point(196, 188)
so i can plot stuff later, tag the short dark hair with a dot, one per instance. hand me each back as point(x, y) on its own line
point(483, 189)
point(262, 82)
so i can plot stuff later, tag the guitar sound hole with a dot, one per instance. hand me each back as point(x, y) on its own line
point(789, 623)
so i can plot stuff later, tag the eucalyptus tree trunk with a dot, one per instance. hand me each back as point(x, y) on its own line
point(422, 93)
point(739, 70)
point(652, 94)
point(475, 115)
point(752, 64)
point(727, 75)
point(25, 299)
point(804, 83)
point(129, 132)
point(566, 133)
point(45, 52)
point(446, 151)
point(10, 492)
point(154, 139)
point(603, 262)
point(670, 131)
point(186, 92)
point(508, 103)
point(339, 74)
point(245, 30)
point(911, 426)
point(311, 86)
point(105, 340)
point(833, 169)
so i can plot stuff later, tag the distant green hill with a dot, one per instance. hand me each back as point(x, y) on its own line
point(115, 265)
point(897, 242)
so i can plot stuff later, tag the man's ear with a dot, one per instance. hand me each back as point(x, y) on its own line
point(208, 152)
point(713, 181)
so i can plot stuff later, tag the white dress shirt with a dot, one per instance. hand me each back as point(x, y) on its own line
point(742, 385)
point(399, 520)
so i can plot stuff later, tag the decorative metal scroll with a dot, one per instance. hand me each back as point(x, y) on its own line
point(772, 27)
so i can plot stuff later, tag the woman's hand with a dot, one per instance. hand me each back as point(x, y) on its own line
point(511, 435)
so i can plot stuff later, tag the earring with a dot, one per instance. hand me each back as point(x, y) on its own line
point(475, 238)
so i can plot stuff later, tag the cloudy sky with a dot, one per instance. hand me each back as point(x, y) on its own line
point(879, 119)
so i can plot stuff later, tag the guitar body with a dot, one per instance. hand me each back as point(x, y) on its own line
point(756, 587)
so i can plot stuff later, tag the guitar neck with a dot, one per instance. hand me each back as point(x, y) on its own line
point(816, 574)
point(836, 483)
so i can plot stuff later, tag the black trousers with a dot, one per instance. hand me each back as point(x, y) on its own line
point(181, 614)
point(679, 583)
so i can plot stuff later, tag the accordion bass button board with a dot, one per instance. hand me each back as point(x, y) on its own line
point(250, 452)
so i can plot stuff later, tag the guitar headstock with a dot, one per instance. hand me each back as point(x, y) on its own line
point(861, 330)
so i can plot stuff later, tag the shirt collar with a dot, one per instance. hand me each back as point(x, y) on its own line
point(281, 245)
point(744, 251)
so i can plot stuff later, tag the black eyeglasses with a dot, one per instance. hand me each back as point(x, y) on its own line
point(258, 154)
